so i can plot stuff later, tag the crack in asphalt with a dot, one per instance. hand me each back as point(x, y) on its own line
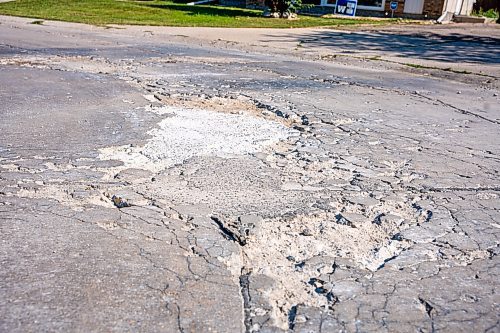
point(304, 258)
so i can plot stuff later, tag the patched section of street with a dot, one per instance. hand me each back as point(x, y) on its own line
point(148, 185)
point(187, 133)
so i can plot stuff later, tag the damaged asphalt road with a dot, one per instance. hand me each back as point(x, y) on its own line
point(151, 185)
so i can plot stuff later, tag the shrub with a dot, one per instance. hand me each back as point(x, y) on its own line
point(491, 13)
point(285, 8)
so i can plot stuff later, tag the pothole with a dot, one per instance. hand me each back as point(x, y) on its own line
point(320, 259)
point(185, 133)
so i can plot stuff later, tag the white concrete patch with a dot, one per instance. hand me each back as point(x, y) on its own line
point(186, 133)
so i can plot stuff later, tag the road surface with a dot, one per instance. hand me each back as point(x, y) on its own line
point(159, 181)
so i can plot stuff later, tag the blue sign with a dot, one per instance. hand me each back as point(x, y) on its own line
point(346, 7)
point(394, 5)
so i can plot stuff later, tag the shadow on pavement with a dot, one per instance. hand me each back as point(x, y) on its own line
point(430, 46)
point(201, 10)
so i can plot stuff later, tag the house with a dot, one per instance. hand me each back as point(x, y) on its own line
point(406, 8)
point(429, 8)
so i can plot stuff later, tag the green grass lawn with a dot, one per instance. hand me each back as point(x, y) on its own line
point(102, 12)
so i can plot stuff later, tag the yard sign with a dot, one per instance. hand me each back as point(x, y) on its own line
point(394, 6)
point(346, 7)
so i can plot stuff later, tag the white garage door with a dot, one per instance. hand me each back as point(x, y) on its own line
point(414, 6)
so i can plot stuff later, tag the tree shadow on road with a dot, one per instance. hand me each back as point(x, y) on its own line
point(430, 46)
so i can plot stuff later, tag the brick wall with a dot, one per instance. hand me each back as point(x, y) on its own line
point(399, 10)
point(433, 8)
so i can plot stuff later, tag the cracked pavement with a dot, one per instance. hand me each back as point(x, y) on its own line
point(351, 198)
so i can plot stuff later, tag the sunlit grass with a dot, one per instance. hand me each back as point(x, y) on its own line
point(166, 13)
